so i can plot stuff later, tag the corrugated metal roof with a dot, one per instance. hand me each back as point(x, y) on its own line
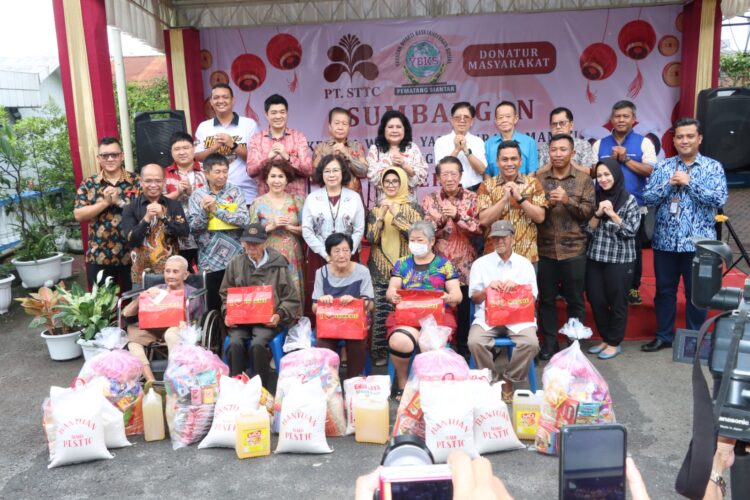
point(19, 90)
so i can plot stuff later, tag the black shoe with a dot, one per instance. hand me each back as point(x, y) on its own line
point(545, 356)
point(655, 345)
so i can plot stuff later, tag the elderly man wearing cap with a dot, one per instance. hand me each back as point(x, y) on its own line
point(502, 270)
point(256, 267)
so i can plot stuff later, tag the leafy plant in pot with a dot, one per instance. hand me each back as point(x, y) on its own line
point(89, 311)
point(36, 260)
point(6, 281)
point(44, 306)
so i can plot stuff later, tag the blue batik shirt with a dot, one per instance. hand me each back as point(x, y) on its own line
point(698, 202)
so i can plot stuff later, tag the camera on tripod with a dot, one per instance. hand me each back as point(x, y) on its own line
point(729, 361)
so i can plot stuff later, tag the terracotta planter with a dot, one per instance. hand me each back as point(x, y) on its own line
point(5, 294)
point(63, 347)
point(36, 273)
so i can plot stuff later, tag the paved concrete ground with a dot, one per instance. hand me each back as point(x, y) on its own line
point(652, 398)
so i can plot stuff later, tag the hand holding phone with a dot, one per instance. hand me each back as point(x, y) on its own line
point(592, 461)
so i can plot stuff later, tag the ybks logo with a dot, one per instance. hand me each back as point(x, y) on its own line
point(423, 56)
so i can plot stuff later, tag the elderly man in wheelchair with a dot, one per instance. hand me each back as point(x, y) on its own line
point(174, 279)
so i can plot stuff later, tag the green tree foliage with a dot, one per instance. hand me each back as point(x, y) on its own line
point(736, 67)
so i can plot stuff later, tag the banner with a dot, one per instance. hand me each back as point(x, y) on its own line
point(584, 60)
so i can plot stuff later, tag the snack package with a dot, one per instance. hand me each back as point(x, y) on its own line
point(307, 365)
point(250, 305)
point(164, 310)
point(122, 372)
point(493, 429)
point(449, 418)
point(303, 419)
point(434, 363)
point(78, 427)
point(339, 321)
point(574, 391)
point(236, 396)
point(513, 306)
point(192, 384)
point(373, 387)
point(416, 305)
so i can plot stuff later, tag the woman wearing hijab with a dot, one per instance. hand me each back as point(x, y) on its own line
point(387, 231)
point(611, 253)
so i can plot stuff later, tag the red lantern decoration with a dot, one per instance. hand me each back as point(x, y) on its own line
point(636, 40)
point(249, 73)
point(598, 61)
point(667, 140)
point(284, 52)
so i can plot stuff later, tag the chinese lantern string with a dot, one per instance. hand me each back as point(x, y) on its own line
point(606, 24)
point(242, 41)
point(637, 84)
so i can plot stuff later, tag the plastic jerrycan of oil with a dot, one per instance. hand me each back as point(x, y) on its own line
point(253, 434)
point(527, 412)
point(153, 415)
point(371, 420)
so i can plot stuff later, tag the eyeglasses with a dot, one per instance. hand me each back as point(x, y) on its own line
point(109, 156)
point(559, 124)
point(462, 118)
point(393, 182)
point(450, 174)
point(332, 172)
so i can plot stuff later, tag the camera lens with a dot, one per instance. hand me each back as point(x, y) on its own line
point(406, 450)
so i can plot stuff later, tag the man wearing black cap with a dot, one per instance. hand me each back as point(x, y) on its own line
point(258, 266)
point(502, 270)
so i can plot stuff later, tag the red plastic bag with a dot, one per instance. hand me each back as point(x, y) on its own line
point(418, 304)
point(339, 321)
point(250, 305)
point(163, 311)
point(507, 308)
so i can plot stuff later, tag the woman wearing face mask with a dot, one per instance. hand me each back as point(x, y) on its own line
point(422, 270)
point(394, 148)
point(279, 212)
point(346, 280)
point(610, 256)
point(387, 228)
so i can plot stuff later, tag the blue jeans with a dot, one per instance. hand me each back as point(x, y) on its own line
point(668, 267)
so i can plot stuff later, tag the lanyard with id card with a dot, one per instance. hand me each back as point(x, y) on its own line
point(674, 205)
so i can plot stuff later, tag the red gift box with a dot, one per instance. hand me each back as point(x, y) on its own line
point(339, 321)
point(154, 313)
point(507, 308)
point(250, 305)
point(418, 304)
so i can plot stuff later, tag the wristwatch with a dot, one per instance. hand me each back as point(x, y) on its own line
point(520, 201)
point(234, 146)
point(717, 478)
point(468, 152)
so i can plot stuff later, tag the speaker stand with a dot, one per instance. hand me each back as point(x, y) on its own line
point(733, 235)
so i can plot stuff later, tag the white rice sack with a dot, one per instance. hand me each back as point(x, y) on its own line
point(373, 387)
point(79, 432)
point(303, 420)
point(493, 429)
point(449, 418)
point(235, 397)
point(483, 375)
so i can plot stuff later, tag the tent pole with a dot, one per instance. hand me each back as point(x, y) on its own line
point(122, 99)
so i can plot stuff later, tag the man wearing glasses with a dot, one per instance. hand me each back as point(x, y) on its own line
point(99, 202)
point(561, 122)
point(462, 144)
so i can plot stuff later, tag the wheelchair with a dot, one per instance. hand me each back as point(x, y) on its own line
point(209, 322)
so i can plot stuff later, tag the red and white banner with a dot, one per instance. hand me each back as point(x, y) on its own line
point(584, 60)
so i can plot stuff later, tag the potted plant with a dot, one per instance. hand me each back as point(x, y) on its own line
point(44, 306)
point(75, 240)
point(37, 261)
point(91, 311)
point(66, 267)
point(6, 280)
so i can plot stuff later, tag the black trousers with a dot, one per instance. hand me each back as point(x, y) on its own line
point(640, 239)
point(571, 273)
point(213, 284)
point(121, 275)
point(464, 322)
point(607, 287)
point(191, 255)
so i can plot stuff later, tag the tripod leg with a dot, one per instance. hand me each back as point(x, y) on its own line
point(743, 253)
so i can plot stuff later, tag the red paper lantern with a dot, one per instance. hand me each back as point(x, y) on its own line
point(598, 61)
point(284, 52)
point(637, 39)
point(667, 140)
point(248, 72)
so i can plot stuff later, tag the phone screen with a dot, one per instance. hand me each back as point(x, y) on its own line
point(435, 489)
point(593, 462)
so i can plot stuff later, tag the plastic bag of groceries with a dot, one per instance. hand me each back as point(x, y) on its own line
point(321, 365)
point(122, 371)
point(434, 363)
point(574, 391)
point(192, 384)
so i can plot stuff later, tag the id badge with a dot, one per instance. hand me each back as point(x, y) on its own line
point(674, 206)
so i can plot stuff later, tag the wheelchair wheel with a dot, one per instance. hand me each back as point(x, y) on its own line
point(211, 327)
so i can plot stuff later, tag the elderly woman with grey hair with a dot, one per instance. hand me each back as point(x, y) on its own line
point(421, 270)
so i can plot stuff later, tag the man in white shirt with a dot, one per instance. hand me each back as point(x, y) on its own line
point(502, 270)
point(465, 146)
point(227, 134)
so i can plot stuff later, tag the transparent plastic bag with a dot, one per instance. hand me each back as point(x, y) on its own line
point(299, 336)
point(111, 337)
